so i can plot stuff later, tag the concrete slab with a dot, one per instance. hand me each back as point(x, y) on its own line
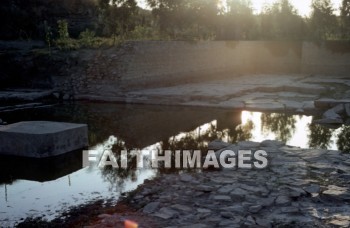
point(39, 139)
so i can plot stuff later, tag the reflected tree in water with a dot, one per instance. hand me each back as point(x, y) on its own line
point(117, 176)
point(319, 136)
point(194, 140)
point(242, 132)
point(199, 139)
point(281, 124)
point(234, 134)
point(343, 142)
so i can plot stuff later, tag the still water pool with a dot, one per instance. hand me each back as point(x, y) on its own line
point(45, 188)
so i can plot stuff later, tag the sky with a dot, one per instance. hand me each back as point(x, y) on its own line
point(303, 6)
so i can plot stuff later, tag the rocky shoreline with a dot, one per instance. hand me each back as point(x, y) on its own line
point(304, 94)
point(299, 188)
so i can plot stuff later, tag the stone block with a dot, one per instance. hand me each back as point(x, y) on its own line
point(39, 139)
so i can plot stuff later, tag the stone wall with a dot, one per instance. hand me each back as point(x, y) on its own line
point(140, 64)
point(328, 58)
point(153, 63)
point(180, 62)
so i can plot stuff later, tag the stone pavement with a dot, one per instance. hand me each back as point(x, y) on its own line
point(299, 188)
point(294, 93)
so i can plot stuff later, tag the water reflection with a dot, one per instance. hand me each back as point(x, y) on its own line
point(143, 128)
point(117, 176)
point(343, 142)
point(196, 139)
point(320, 136)
point(291, 129)
point(281, 124)
point(41, 170)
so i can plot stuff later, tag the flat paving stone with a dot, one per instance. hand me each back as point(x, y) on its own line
point(39, 139)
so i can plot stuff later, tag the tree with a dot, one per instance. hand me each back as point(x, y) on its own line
point(323, 22)
point(281, 21)
point(345, 19)
point(117, 16)
point(185, 18)
point(240, 21)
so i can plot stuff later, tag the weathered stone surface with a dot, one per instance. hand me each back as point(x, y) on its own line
point(186, 178)
point(337, 193)
point(24, 95)
point(248, 144)
point(292, 105)
point(231, 104)
point(198, 225)
point(238, 209)
point(226, 189)
point(326, 103)
point(263, 222)
point(314, 188)
point(289, 209)
point(347, 109)
point(338, 109)
point(41, 139)
point(282, 200)
point(267, 202)
point(345, 176)
point(229, 223)
point(226, 214)
point(217, 145)
point(205, 188)
point(272, 143)
point(340, 221)
point(308, 106)
point(166, 213)
point(222, 198)
point(255, 209)
point(249, 221)
point(287, 193)
point(151, 207)
point(203, 210)
point(254, 189)
point(238, 193)
point(275, 106)
point(180, 207)
point(332, 116)
point(296, 192)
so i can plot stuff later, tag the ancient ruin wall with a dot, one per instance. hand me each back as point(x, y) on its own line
point(142, 64)
point(327, 58)
point(155, 62)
